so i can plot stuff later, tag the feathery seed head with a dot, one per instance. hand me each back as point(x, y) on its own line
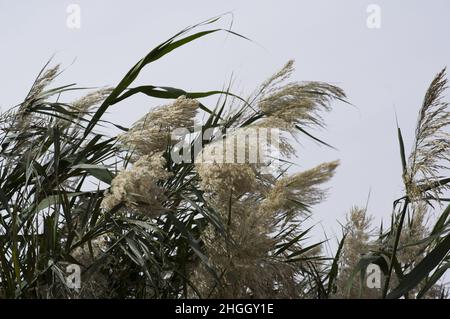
point(152, 133)
point(137, 187)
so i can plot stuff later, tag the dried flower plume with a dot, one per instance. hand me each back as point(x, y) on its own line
point(431, 151)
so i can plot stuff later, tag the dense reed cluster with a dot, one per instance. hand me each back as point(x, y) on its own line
point(141, 225)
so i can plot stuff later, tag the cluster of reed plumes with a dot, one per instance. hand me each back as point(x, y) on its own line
point(414, 252)
point(141, 225)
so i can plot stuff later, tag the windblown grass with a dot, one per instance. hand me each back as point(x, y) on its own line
point(153, 228)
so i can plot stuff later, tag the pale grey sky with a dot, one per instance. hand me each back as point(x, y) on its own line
point(379, 68)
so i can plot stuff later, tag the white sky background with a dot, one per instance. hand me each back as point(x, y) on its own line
point(379, 68)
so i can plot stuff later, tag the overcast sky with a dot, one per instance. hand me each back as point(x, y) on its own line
point(381, 69)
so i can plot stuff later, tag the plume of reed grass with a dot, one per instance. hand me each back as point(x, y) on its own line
point(431, 151)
